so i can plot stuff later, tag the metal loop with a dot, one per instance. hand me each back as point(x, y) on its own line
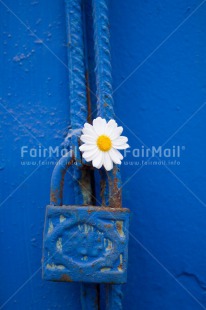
point(57, 179)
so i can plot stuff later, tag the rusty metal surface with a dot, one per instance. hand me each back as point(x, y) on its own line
point(111, 193)
point(57, 180)
point(112, 184)
point(79, 111)
point(87, 244)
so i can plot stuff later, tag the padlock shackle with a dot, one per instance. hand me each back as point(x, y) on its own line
point(57, 179)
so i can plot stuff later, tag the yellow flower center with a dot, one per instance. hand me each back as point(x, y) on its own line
point(104, 143)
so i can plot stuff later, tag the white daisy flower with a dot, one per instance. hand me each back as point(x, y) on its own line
point(102, 141)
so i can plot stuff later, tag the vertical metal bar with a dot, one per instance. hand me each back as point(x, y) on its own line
point(78, 116)
point(102, 60)
point(76, 66)
point(114, 297)
point(90, 296)
point(77, 91)
point(105, 110)
point(104, 86)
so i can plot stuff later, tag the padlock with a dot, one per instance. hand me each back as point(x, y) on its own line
point(83, 243)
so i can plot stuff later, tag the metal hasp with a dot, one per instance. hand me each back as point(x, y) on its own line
point(87, 243)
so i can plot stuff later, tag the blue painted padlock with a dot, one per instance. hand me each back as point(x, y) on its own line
point(83, 243)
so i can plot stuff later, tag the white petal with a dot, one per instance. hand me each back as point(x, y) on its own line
point(88, 139)
point(120, 140)
point(88, 126)
point(99, 125)
point(121, 147)
point(115, 156)
point(108, 164)
point(89, 131)
point(111, 125)
point(119, 154)
point(87, 147)
point(116, 133)
point(90, 155)
point(98, 161)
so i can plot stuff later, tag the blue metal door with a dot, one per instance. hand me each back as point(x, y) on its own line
point(159, 64)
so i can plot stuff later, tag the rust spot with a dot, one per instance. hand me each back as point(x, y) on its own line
point(59, 192)
point(102, 191)
point(63, 175)
point(119, 225)
point(53, 195)
point(120, 267)
point(115, 192)
point(65, 278)
point(104, 208)
point(108, 225)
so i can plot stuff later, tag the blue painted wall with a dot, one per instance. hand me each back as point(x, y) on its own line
point(159, 73)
